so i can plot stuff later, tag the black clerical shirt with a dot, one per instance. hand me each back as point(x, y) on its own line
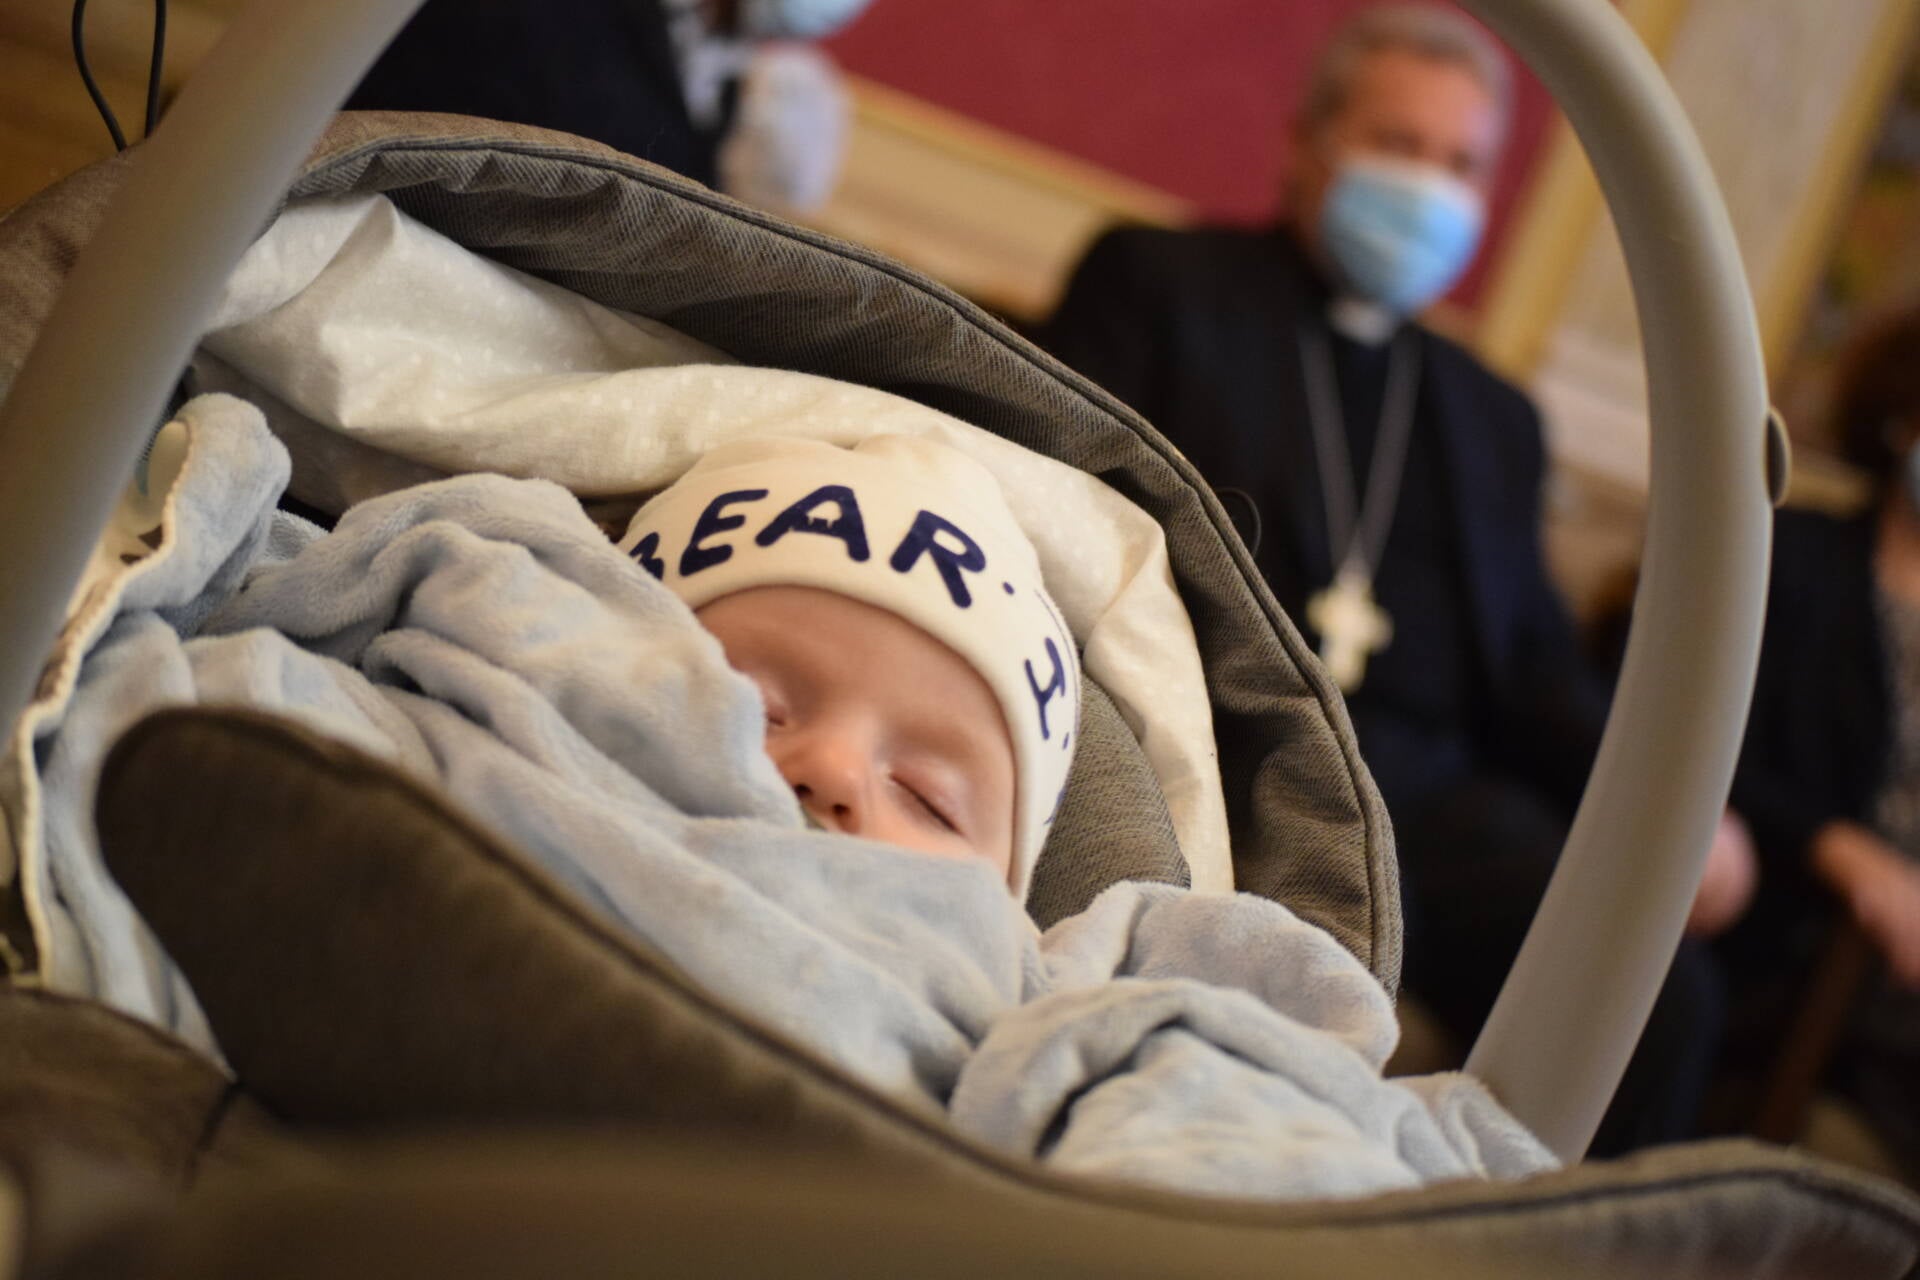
point(1413, 709)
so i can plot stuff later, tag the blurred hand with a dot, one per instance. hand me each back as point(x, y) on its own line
point(1881, 889)
point(1727, 884)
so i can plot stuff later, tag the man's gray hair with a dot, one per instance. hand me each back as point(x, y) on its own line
point(1443, 35)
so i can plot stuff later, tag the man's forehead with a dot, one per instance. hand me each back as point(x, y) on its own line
point(1441, 105)
point(1396, 76)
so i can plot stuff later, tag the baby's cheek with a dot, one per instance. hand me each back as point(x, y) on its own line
point(905, 830)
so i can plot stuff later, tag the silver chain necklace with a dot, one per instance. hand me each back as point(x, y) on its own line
point(1351, 625)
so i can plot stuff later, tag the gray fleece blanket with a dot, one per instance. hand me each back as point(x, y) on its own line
point(483, 634)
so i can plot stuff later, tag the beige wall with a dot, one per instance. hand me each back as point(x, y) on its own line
point(48, 125)
point(1000, 219)
point(1786, 96)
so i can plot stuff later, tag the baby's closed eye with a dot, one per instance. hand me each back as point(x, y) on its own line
point(936, 795)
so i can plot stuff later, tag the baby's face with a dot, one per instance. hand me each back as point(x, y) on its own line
point(881, 730)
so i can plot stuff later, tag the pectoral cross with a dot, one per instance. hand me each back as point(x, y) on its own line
point(1351, 626)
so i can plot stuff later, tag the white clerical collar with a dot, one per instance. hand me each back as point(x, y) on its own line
point(1367, 323)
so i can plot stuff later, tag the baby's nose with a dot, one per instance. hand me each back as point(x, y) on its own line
point(831, 778)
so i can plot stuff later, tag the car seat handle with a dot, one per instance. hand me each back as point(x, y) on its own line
point(1557, 1042)
point(96, 382)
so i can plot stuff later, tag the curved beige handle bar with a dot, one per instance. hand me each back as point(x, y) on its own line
point(96, 382)
point(1572, 1009)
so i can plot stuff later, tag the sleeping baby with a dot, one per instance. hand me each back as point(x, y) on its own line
point(920, 686)
point(921, 690)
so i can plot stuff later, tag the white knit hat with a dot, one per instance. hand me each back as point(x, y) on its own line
point(907, 525)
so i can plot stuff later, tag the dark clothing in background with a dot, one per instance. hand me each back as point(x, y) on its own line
point(1480, 719)
point(1419, 696)
point(1818, 735)
point(1819, 745)
point(602, 69)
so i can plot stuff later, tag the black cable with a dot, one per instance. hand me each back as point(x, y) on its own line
point(153, 68)
point(86, 76)
point(1250, 535)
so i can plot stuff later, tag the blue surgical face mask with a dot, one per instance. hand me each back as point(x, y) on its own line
point(1400, 233)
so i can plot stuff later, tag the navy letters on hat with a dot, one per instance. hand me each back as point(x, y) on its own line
point(923, 538)
point(1056, 685)
point(697, 556)
point(798, 518)
point(952, 551)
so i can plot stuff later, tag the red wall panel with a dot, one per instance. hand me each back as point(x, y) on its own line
point(1192, 96)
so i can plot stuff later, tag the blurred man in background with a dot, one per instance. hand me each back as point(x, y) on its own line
point(1390, 485)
